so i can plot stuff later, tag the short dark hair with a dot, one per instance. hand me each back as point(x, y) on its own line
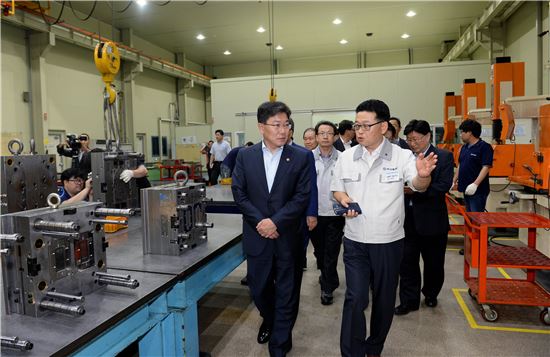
point(397, 120)
point(393, 131)
point(308, 129)
point(420, 126)
point(344, 125)
point(471, 126)
point(268, 109)
point(71, 172)
point(211, 141)
point(325, 122)
point(375, 106)
point(220, 132)
point(84, 134)
point(249, 143)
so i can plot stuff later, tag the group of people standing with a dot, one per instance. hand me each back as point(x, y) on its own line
point(399, 213)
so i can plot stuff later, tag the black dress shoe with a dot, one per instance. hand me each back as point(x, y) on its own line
point(404, 309)
point(326, 298)
point(244, 281)
point(264, 334)
point(430, 302)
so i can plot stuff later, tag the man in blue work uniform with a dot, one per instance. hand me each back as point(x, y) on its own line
point(475, 160)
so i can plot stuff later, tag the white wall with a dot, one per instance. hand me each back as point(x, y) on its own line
point(15, 114)
point(415, 91)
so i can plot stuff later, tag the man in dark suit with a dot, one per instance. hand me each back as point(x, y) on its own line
point(271, 186)
point(347, 136)
point(426, 226)
point(396, 123)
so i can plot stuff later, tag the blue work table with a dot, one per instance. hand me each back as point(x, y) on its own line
point(161, 314)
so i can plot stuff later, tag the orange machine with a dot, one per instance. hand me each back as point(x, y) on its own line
point(473, 96)
point(452, 106)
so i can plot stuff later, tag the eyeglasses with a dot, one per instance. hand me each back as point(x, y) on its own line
point(78, 180)
point(83, 138)
point(286, 126)
point(325, 133)
point(415, 140)
point(366, 127)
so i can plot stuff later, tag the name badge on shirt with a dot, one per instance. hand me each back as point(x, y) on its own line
point(389, 174)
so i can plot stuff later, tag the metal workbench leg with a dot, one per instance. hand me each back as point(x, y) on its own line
point(191, 330)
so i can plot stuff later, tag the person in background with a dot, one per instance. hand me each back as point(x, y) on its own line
point(390, 134)
point(218, 151)
point(372, 175)
point(309, 139)
point(396, 123)
point(139, 174)
point(327, 235)
point(474, 162)
point(426, 226)
point(206, 151)
point(74, 187)
point(271, 186)
point(230, 159)
point(311, 212)
point(346, 139)
point(83, 160)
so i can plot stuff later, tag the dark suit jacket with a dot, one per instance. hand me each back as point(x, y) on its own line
point(313, 207)
point(403, 144)
point(339, 144)
point(429, 209)
point(285, 204)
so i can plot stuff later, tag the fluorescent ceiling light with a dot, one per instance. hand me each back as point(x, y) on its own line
point(260, 29)
point(405, 35)
point(411, 14)
point(141, 3)
point(278, 48)
point(227, 52)
point(343, 41)
point(337, 21)
point(200, 36)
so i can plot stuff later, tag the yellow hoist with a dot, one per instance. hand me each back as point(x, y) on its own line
point(107, 61)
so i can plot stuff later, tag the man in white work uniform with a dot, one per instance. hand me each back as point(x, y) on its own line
point(218, 152)
point(372, 174)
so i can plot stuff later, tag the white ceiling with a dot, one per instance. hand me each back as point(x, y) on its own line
point(303, 28)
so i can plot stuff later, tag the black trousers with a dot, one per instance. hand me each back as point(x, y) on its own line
point(215, 173)
point(275, 283)
point(327, 239)
point(365, 264)
point(432, 248)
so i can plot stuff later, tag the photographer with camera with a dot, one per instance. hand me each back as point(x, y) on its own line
point(78, 148)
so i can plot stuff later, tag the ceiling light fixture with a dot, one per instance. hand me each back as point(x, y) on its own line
point(227, 52)
point(279, 47)
point(200, 37)
point(141, 3)
point(337, 21)
point(260, 29)
point(411, 14)
point(343, 41)
point(405, 36)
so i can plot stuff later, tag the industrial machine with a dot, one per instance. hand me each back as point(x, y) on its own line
point(26, 179)
point(106, 183)
point(52, 257)
point(174, 217)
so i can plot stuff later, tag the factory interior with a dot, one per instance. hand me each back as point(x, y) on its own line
point(125, 229)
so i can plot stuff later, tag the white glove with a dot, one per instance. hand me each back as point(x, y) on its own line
point(471, 189)
point(126, 175)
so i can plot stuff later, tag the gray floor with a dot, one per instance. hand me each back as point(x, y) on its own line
point(229, 321)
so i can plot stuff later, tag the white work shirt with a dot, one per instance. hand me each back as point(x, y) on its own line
point(325, 171)
point(377, 188)
point(271, 163)
point(220, 150)
point(347, 145)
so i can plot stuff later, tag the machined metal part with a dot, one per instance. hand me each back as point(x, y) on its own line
point(114, 212)
point(106, 183)
point(54, 264)
point(26, 181)
point(109, 221)
point(20, 146)
point(56, 295)
point(56, 226)
point(131, 284)
point(174, 218)
point(75, 310)
point(53, 200)
point(14, 237)
point(185, 179)
point(15, 343)
point(113, 276)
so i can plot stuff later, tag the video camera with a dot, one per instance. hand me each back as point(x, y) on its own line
point(74, 144)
